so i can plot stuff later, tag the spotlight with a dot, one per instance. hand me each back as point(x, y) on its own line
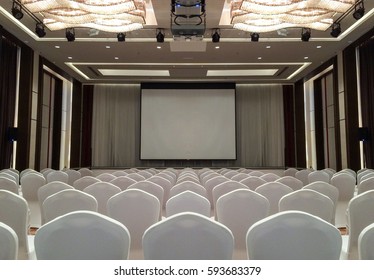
point(305, 34)
point(160, 37)
point(255, 37)
point(39, 30)
point(121, 37)
point(216, 37)
point(17, 11)
point(70, 34)
point(359, 11)
point(336, 30)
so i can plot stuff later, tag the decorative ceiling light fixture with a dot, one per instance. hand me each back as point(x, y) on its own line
point(266, 16)
point(105, 15)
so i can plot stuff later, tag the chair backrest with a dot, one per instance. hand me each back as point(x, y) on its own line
point(239, 210)
point(318, 175)
point(146, 174)
point(256, 173)
point(151, 188)
point(345, 184)
point(188, 236)
point(30, 183)
point(73, 175)
point(188, 186)
point(84, 182)
point(9, 175)
point(67, 201)
point(14, 212)
point(102, 191)
point(106, 177)
point(231, 174)
point(57, 175)
point(252, 182)
point(309, 201)
point(165, 184)
point(270, 177)
point(292, 182)
point(364, 173)
point(225, 188)
point(187, 201)
point(123, 182)
point(366, 243)
point(293, 235)
point(205, 177)
point(8, 243)
point(120, 173)
point(136, 177)
point(49, 189)
point(211, 183)
point(365, 185)
point(359, 208)
point(273, 191)
point(325, 188)
point(82, 235)
point(85, 172)
point(137, 210)
point(8, 184)
point(240, 176)
point(291, 171)
point(302, 175)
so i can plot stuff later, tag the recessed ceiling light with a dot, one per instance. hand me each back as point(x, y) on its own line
point(70, 57)
point(159, 47)
point(306, 57)
point(217, 47)
point(57, 47)
point(116, 57)
point(268, 47)
point(259, 57)
point(108, 47)
point(318, 47)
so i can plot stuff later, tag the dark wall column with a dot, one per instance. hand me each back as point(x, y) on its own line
point(300, 125)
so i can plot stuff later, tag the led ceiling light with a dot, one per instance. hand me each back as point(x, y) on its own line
point(266, 16)
point(305, 34)
point(106, 15)
point(121, 37)
point(255, 37)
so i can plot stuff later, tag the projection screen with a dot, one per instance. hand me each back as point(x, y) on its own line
point(188, 124)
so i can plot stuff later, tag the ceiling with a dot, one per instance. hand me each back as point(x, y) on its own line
point(100, 58)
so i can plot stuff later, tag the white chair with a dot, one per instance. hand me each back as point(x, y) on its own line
point(360, 210)
point(252, 182)
point(225, 188)
point(8, 243)
point(30, 183)
point(136, 177)
point(84, 182)
point(73, 175)
point(273, 191)
point(206, 177)
point(82, 235)
point(189, 179)
point(240, 176)
point(345, 183)
point(318, 175)
point(85, 172)
point(291, 171)
point(231, 174)
point(106, 177)
point(102, 191)
point(256, 173)
point(67, 201)
point(365, 185)
point(210, 184)
point(8, 184)
point(364, 173)
point(187, 201)
point(188, 236)
point(188, 186)
point(14, 212)
point(302, 175)
point(49, 189)
point(57, 175)
point(292, 182)
point(293, 235)
point(123, 182)
point(9, 175)
point(146, 174)
point(137, 210)
point(165, 184)
point(309, 201)
point(366, 243)
point(120, 173)
point(270, 177)
point(239, 210)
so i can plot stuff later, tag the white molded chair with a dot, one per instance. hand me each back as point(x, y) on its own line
point(210, 184)
point(252, 182)
point(137, 210)
point(270, 177)
point(120, 173)
point(366, 243)
point(239, 177)
point(187, 201)
point(292, 182)
point(293, 235)
point(8, 243)
point(136, 177)
point(273, 191)
point(366, 172)
point(239, 210)
point(302, 175)
point(49, 189)
point(165, 184)
point(360, 210)
point(102, 191)
point(84, 182)
point(291, 171)
point(67, 201)
point(256, 173)
point(188, 186)
point(188, 236)
point(57, 175)
point(106, 177)
point(225, 188)
point(318, 175)
point(14, 212)
point(82, 235)
point(146, 174)
point(309, 201)
point(73, 176)
point(85, 172)
point(204, 178)
point(365, 185)
point(123, 182)
point(8, 184)
point(30, 183)
point(231, 174)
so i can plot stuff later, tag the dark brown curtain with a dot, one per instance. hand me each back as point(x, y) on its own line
point(366, 51)
point(289, 126)
point(8, 82)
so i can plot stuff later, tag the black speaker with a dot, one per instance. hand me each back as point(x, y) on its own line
point(363, 134)
point(12, 134)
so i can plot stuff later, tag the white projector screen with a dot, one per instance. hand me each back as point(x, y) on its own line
point(188, 124)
